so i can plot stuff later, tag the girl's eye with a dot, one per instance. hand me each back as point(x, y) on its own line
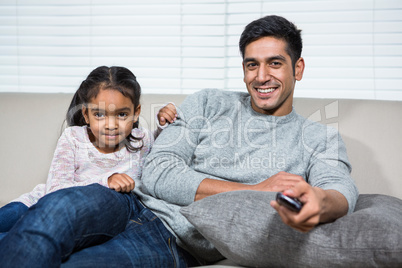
point(99, 115)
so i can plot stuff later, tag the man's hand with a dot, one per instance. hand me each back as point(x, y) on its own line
point(121, 183)
point(167, 114)
point(319, 206)
point(278, 183)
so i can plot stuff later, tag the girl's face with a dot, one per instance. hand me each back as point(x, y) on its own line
point(110, 116)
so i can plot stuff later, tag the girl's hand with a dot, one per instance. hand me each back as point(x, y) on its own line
point(167, 114)
point(121, 183)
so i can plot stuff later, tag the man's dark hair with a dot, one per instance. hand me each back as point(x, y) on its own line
point(277, 27)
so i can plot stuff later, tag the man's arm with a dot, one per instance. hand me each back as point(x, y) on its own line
point(166, 173)
point(330, 192)
point(277, 183)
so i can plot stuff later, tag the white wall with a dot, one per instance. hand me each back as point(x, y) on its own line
point(352, 48)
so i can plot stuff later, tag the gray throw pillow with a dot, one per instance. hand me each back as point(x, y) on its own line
point(248, 231)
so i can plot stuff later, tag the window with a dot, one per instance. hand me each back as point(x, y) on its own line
point(352, 48)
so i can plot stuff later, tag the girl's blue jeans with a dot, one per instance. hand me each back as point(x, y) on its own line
point(10, 214)
point(90, 226)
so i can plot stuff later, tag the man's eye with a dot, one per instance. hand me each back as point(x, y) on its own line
point(276, 63)
point(251, 65)
point(122, 115)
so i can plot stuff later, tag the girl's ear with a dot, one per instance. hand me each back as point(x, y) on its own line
point(137, 113)
point(84, 111)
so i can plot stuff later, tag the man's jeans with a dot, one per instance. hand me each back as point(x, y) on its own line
point(90, 226)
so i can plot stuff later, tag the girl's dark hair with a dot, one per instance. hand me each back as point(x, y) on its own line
point(103, 77)
point(277, 27)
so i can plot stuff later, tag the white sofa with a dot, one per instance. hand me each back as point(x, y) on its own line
point(32, 123)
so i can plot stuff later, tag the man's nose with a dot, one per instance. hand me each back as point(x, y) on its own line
point(263, 74)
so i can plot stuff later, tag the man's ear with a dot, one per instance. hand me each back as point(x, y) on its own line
point(137, 112)
point(244, 72)
point(84, 111)
point(299, 69)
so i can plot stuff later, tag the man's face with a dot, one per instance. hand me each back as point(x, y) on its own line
point(268, 74)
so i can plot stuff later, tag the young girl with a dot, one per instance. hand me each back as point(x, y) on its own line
point(104, 143)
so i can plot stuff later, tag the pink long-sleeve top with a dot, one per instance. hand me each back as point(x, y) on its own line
point(77, 162)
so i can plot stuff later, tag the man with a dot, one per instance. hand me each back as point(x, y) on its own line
point(223, 131)
point(222, 141)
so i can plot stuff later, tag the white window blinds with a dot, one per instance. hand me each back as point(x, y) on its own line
point(352, 48)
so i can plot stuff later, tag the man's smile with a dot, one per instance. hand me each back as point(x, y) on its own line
point(266, 90)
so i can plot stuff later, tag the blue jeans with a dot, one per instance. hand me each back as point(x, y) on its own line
point(90, 226)
point(10, 214)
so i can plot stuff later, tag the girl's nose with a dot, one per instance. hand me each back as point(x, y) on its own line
point(111, 122)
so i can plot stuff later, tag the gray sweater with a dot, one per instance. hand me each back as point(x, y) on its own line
point(218, 135)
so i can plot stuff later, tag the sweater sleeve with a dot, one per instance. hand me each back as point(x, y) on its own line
point(329, 167)
point(167, 172)
point(62, 168)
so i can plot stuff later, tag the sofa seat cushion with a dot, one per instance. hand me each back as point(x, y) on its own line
point(248, 231)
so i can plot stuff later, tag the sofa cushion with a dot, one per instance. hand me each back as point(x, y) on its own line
point(248, 231)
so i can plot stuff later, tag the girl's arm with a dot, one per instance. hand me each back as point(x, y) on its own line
point(62, 173)
point(62, 168)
